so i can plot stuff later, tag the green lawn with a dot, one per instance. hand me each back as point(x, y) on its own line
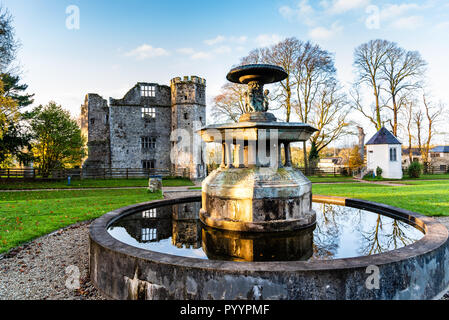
point(444, 176)
point(426, 197)
point(27, 215)
point(330, 179)
point(90, 183)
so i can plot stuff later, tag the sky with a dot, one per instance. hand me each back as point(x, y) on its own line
point(71, 48)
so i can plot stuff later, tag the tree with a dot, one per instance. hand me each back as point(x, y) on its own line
point(369, 59)
point(8, 111)
point(402, 71)
point(329, 114)
point(15, 90)
point(409, 108)
point(230, 103)
point(425, 120)
point(58, 141)
point(314, 156)
point(8, 44)
point(355, 160)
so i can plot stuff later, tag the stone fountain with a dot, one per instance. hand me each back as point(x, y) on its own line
point(259, 240)
point(256, 189)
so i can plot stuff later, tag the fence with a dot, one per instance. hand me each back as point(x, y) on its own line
point(106, 173)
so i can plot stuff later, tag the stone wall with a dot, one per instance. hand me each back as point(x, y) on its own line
point(128, 126)
point(95, 125)
point(115, 134)
point(188, 98)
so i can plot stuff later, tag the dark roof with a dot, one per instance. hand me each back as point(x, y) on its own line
point(383, 136)
point(415, 151)
point(440, 149)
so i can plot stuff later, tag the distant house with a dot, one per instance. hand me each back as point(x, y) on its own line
point(384, 151)
point(331, 162)
point(439, 157)
point(416, 156)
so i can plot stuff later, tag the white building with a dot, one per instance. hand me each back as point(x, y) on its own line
point(384, 151)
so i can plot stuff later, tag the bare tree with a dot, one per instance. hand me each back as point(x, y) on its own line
point(402, 71)
point(282, 54)
point(229, 105)
point(428, 116)
point(309, 89)
point(369, 59)
point(329, 115)
point(408, 113)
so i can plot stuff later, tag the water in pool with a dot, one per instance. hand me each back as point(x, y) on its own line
point(340, 232)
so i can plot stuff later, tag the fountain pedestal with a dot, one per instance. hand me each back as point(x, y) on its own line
point(256, 189)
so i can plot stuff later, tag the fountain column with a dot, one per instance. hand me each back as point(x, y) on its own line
point(247, 195)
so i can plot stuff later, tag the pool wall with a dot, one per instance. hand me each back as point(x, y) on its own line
point(417, 271)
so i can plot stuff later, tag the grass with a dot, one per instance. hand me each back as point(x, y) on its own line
point(27, 215)
point(329, 179)
point(425, 197)
point(442, 176)
point(90, 183)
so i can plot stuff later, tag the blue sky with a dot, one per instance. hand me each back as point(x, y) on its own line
point(119, 43)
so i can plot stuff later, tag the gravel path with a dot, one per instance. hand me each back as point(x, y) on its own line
point(37, 270)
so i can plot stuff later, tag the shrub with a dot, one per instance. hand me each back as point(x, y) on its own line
point(379, 172)
point(415, 169)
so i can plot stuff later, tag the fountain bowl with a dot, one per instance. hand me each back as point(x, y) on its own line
point(263, 73)
point(416, 271)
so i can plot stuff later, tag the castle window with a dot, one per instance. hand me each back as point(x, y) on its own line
point(148, 113)
point(148, 143)
point(147, 91)
point(148, 164)
point(149, 234)
point(92, 121)
point(186, 116)
point(152, 213)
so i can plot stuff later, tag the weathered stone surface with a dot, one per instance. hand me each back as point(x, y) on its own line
point(243, 198)
point(418, 271)
point(114, 132)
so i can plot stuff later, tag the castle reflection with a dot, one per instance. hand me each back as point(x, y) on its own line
point(180, 223)
point(238, 246)
point(340, 232)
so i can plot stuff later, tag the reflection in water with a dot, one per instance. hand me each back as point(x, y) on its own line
point(340, 232)
point(235, 246)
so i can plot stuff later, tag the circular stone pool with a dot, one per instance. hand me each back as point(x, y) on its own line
point(340, 232)
point(357, 250)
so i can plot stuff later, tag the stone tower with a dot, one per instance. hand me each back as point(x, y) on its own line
point(188, 99)
point(95, 126)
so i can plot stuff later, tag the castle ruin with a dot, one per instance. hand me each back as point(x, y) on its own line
point(137, 130)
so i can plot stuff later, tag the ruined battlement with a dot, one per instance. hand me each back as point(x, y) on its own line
point(188, 79)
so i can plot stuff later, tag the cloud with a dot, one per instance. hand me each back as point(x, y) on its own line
point(322, 33)
point(442, 26)
point(408, 23)
point(146, 51)
point(216, 40)
point(342, 6)
point(265, 40)
point(221, 39)
point(201, 55)
point(392, 11)
point(222, 50)
point(188, 51)
point(303, 12)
